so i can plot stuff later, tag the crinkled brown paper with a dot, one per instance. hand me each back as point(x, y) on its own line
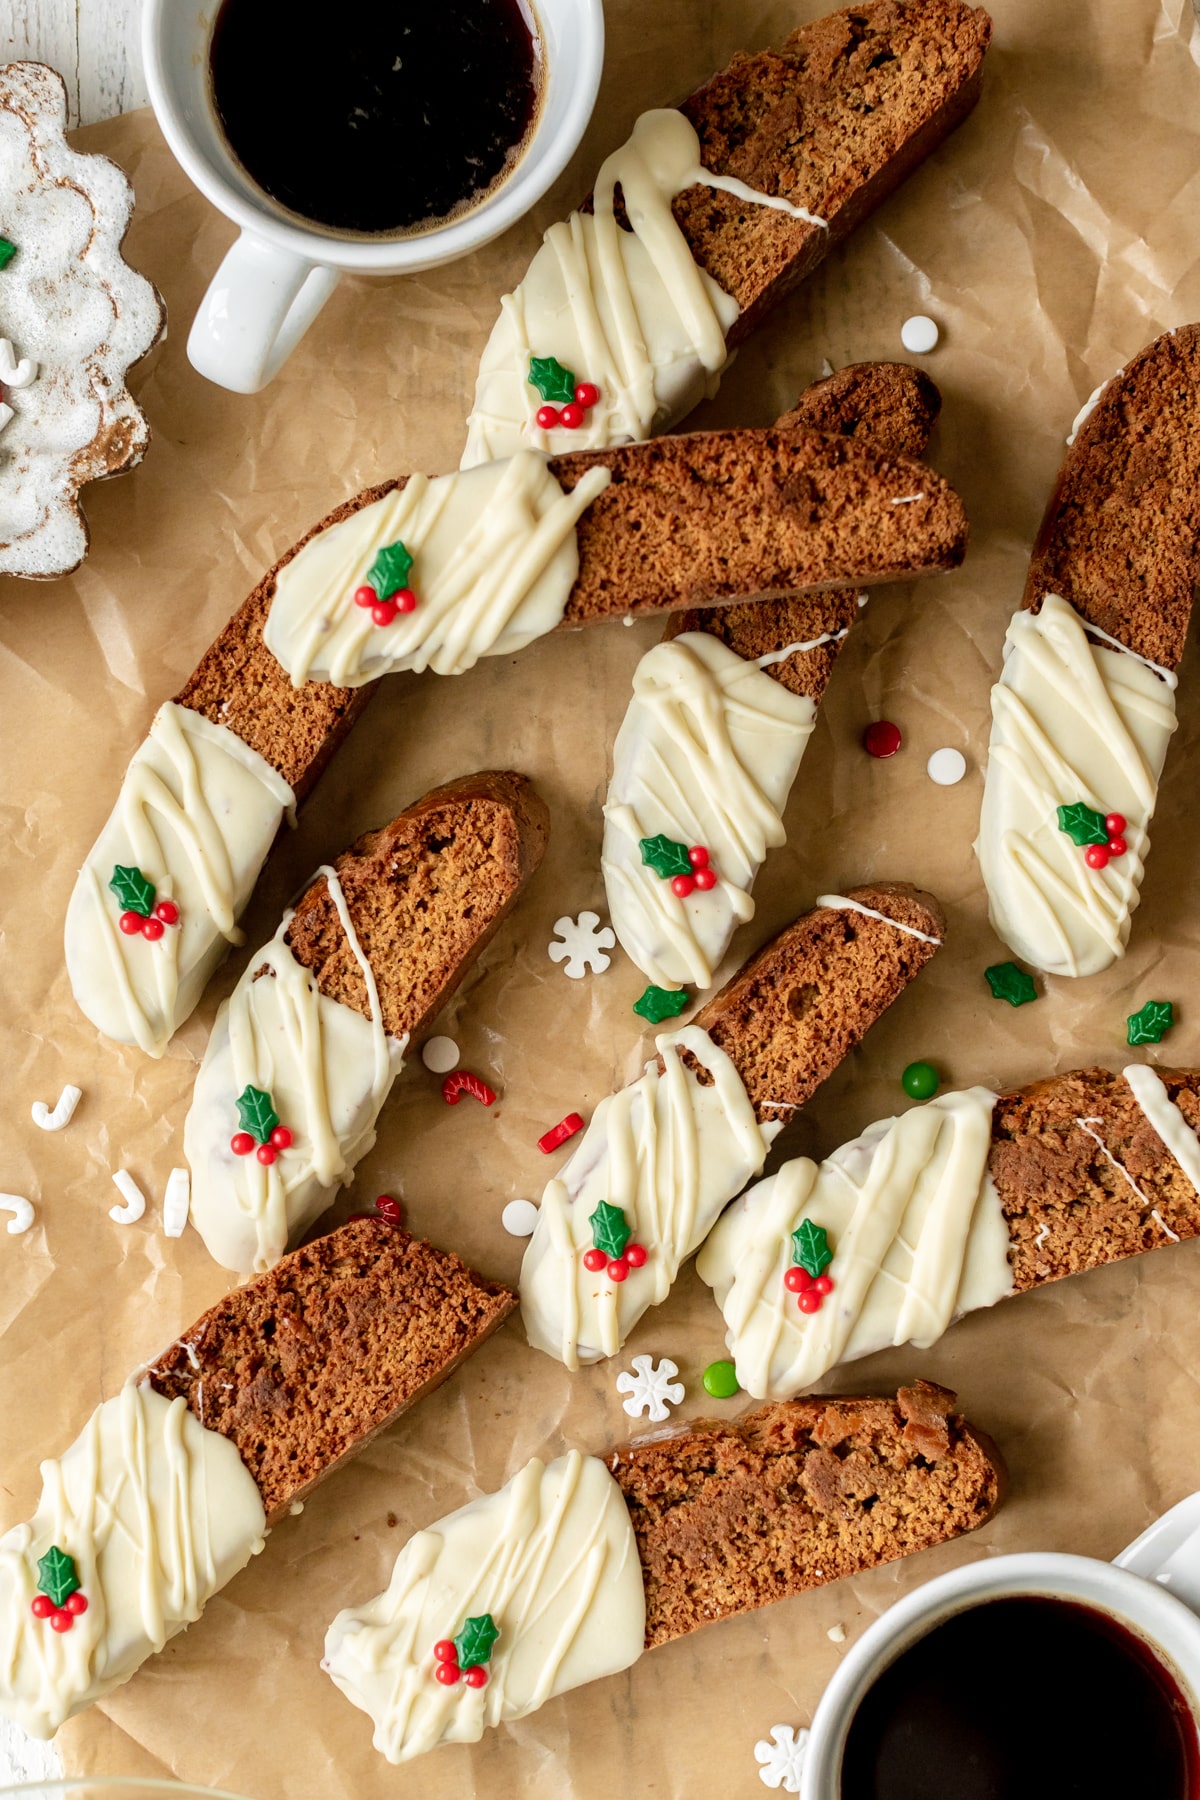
point(1054, 235)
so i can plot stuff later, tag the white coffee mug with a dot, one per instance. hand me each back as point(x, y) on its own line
point(280, 273)
point(1153, 1589)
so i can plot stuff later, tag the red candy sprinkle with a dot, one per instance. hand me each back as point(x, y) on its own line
point(635, 1255)
point(167, 911)
point(705, 879)
point(1114, 824)
point(281, 1138)
point(572, 416)
point(152, 928)
point(475, 1676)
point(389, 1209)
point(882, 738)
point(404, 600)
point(594, 1259)
point(1096, 856)
point(618, 1269)
point(558, 1134)
point(365, 596)
point(41, 1606)
point(130, 922)
point(823, 1284)
point(444, 1650)
point(60, 1619)
point(682, 885)
point(547, 417)
point(797, 1280)
point(463, 1082)
point(241, 1143)
point(586, 395)
point(383, 612)
point(809, 1301)
point(266, 1154)
point(447, 1673)
point(1117, 846)
point(77, 1602)
point(698, 856)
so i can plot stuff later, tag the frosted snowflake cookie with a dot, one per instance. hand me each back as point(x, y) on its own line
point(73, 317)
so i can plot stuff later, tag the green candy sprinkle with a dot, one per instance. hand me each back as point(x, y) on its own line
point(720, 1380)
point(1150, 1022)
point(7, 251)
point(657, 1004)
point(810, 1248)
point(1010, 983)
point(552, 379)
point(920, 1081)
point(666, 856)
point(1082, 824)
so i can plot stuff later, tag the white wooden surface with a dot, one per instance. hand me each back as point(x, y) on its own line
point(94, 45)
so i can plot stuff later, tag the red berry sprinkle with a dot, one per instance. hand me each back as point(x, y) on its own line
point(447, 1673)
point(572, 416)
point(1096, 856)
point(41, 1606)
point(809, 1301)
point(797, 1280)
point(882, 739)
point(547, 418)
point(281, 1138)
point(383, 612)
point(475, 1676)
point(77, 1602)
point(682, 885)
point(266, 1154)
point(241, 1143)
point(705, 879)
point(594, 1259)
point(444, 1650)
point(558, 1134)
point(635, 1255)
point(389, 1209)
point(365, 596)
point(463, 1082)
point(1117, 846)
point(404, 600)
point(167, 911)
point(60, 1619)
point(130, 923)
point(823, 1284)
point(618, 1269)
point(1114, 824)
point(152, 928)
point(586, 395)
point(698, 856)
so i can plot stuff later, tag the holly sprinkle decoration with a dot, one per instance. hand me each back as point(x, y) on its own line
point(1010, 983)
point(611, 1249)
point(1150, 1022)
point(811, 1256)
point(260, 1125)
point(685, 868)
point(7, 251)
point(553, 381)
point(657, 1004)
point(386, 589)
point(59, 1598)
point(463, 1657)
point(1103, 834)
point(140, 913)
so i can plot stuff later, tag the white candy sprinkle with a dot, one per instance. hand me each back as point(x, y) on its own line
point(836, 1634)
point(650, 1387)
point(782, 1758)
point(580, 945)
point(946, 767)
point(176, 1200)
point(22, 1212)
point(68, 1100)
point(519, 1218)
point(441, 1054)
point(919, 334)
point(135, 1200)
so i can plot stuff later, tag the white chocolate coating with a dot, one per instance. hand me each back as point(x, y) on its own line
point(197, 813)
point(670, 1153)
point(917, 1233)
point(494, 562)
point(328, 1071)
point(706, 754)
point(551, 1557)
point(158, 1513)
point(630, 311)
point(1167, 1120)
point(1071, 721)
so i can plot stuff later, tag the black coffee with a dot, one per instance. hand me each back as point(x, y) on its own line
point(1024, 1699)
point(389, 115)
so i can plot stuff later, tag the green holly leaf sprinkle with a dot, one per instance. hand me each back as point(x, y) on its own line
point(610, 1232)
point(810, 1248)
point(256, 1113)
point(389, 571)
point(665, 856)
point(56, 1575)
point(551, 380)
point(657, 1004)
point(474, 1642)
point(1082, 824)
point(7, 251)
point(1010, 983)
point(135, 893)
point(1148, 1024)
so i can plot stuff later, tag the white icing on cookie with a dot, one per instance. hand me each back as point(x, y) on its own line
point(494, 561)
point(158, 1513)
point(840, 903)
point(670, 1153)
point(1164, 1115)
point(630, 311)
point(197, 814)
point(706, 754)
point(551, 1557)
point(328, 1071)
point(1071, 721)
point(917, 1233)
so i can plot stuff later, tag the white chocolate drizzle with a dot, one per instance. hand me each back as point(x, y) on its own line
point(1164, 1115)
point(628, 310)
point(551, 1556)
point(1086, 1125)
point(670, 1152)
point(840, 903)
point(918, 1237)
point(158, 1513)
point(706, 754)
point(328, 1071)
point(494, 561)
point(1071, 721)
point(197, 814)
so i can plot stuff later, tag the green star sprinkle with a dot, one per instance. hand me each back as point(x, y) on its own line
point(610, 1231)
point(474, 1642)
point(665, 856)
point(551, 379)
point(134, 892)
point(810, 1248)
point(1007, 982)
point(1082, 824)
point(1147, 1025)
point(389, 571)
point(657, 1004)
point(256, 1114)
point(56, 1575)
point(7, 251)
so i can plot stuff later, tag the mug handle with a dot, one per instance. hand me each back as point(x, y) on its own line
point(1168, 1553)
point(258, 306)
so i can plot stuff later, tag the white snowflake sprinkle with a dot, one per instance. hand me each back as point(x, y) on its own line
point(650, 1388)
point(582, 945)
point(782, 1759)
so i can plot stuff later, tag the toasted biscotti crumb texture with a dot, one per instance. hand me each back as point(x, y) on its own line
point(730, 1517)
point(1081, 1173)
point(303, 1365)
point(890, 406)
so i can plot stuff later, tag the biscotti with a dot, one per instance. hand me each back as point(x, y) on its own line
point(721, 716)
point(952, 1206)
point(708, 215)
point(573, 1569)
point(173, 1483)
point(305, 1051)
point(1085, 705)
point(662, 1157)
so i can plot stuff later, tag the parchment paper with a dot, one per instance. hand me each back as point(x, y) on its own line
point(1055, 234)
